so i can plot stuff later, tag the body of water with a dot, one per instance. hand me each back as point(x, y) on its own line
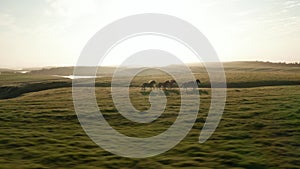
point(78, 77)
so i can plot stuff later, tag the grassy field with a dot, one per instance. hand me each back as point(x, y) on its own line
point(259, 128)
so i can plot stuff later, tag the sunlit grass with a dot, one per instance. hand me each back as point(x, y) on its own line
point(258, 130)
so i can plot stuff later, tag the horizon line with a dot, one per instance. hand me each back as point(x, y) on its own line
point(189, 64)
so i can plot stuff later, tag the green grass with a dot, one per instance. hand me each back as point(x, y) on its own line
point(259, 129)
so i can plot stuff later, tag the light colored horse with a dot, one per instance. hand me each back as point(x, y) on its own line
point(191, 84)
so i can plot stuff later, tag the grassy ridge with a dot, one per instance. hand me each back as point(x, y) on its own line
point(238, 74)
point(234, 80)
point(7, 92)
point(16, 85)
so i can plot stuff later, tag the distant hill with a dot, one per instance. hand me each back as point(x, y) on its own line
point(65, 71)
point(255, 66)
point(252, 66)
point(53, 71)
point(259, 64)
point(6, 70)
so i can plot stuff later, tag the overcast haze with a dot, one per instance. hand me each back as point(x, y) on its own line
point(37, 33)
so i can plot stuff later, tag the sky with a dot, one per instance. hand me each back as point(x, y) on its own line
point(37, 33)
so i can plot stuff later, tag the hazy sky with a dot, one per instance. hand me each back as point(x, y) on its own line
point(53, 32)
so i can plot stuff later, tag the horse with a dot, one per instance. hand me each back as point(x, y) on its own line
point(160, 85)
point(191, 84)
point(150, 84)
point(165, 85)
point(173, 84)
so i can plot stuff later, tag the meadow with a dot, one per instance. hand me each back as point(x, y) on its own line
point(259, 127)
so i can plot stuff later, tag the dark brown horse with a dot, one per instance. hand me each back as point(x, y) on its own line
point(168, 84)
point(165, 85)
point(173, 84)
point(151, 84)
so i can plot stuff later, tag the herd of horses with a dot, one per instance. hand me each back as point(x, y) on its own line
point(170, 84)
